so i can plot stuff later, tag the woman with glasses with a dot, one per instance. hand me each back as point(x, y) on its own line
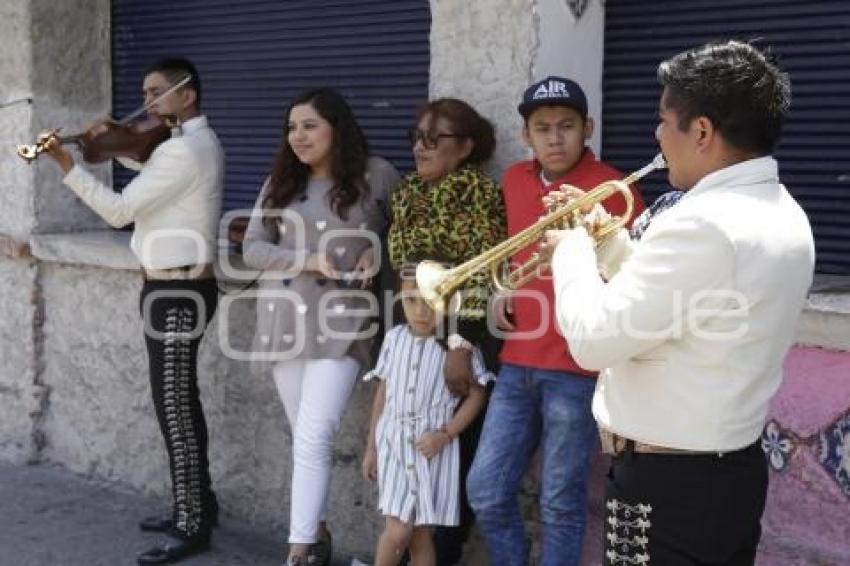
point(450, 210)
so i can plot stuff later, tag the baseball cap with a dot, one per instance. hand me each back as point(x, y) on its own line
point(553, 91)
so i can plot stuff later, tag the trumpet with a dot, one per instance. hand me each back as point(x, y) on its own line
point(437, 283)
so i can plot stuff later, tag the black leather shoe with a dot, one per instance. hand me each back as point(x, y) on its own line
point(173, 549)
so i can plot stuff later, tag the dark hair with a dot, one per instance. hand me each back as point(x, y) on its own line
point(174, 69)
point(466, 122)
point(350, 152)
point(744, 94)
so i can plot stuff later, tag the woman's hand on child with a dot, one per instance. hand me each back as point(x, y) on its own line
point(369, 466)
point(430, 443)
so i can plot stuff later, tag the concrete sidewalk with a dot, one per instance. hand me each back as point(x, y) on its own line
point(52, 517)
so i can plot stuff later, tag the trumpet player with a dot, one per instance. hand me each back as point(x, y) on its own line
point(542, 396)
point(690, 331)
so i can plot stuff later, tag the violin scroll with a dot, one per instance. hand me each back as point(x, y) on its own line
point(30, 153)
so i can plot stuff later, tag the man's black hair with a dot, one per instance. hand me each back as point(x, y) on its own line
point(174, 69)
point(744, 94)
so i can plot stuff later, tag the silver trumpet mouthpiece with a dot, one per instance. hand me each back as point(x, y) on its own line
point(658, 162)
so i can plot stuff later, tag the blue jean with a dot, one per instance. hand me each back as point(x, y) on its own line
point(530, 408)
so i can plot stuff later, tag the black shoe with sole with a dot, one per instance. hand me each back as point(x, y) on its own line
point(172, 549)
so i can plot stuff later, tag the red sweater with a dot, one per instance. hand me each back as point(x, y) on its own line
point(523, 190)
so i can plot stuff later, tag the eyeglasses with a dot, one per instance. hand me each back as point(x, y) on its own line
point(429, 139)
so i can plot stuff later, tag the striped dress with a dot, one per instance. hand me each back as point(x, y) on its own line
point(411, 487)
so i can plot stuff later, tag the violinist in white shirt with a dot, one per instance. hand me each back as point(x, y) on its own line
point(692, 325)
point(175, 202)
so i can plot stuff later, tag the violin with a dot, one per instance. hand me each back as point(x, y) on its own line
point(135, 140)
point(132, 137)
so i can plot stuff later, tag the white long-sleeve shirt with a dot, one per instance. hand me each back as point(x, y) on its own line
point(175, 200)
point(691, 330)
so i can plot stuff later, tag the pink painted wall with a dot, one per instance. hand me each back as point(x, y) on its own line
point(808, 504)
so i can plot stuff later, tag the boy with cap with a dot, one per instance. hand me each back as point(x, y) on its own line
point(542, 397)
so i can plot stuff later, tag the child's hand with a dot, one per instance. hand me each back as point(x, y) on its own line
point(369, 467)
point(430, 443)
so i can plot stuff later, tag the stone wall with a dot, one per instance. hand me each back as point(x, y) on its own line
point(71, 81)
point(56, 66)
point(18, 392)
point(483, 52)
point(99, 419)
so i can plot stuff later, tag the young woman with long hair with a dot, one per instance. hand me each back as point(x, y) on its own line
point(315, 222)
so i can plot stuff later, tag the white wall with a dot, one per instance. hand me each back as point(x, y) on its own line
point(573, 48)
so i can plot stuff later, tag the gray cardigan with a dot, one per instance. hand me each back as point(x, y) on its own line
point(300, 314)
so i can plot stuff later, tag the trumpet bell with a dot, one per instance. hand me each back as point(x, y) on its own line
point(430, 276)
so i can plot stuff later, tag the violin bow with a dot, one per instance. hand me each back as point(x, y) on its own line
point(144, 108)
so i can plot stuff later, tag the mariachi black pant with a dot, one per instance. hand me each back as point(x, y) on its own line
point(175, 314)
point(685, 509)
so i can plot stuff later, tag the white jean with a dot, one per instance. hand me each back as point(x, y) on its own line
point(314, 394)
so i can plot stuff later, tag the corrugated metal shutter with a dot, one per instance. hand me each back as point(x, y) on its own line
point(812, 40)
point(254, 55)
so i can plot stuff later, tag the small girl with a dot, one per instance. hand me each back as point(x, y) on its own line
point(412, 449)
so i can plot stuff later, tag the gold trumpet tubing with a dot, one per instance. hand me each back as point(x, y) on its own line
point(528, 271)
point(504, 250)
point(437, 283)
point(571, 214)
point(453, 278)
